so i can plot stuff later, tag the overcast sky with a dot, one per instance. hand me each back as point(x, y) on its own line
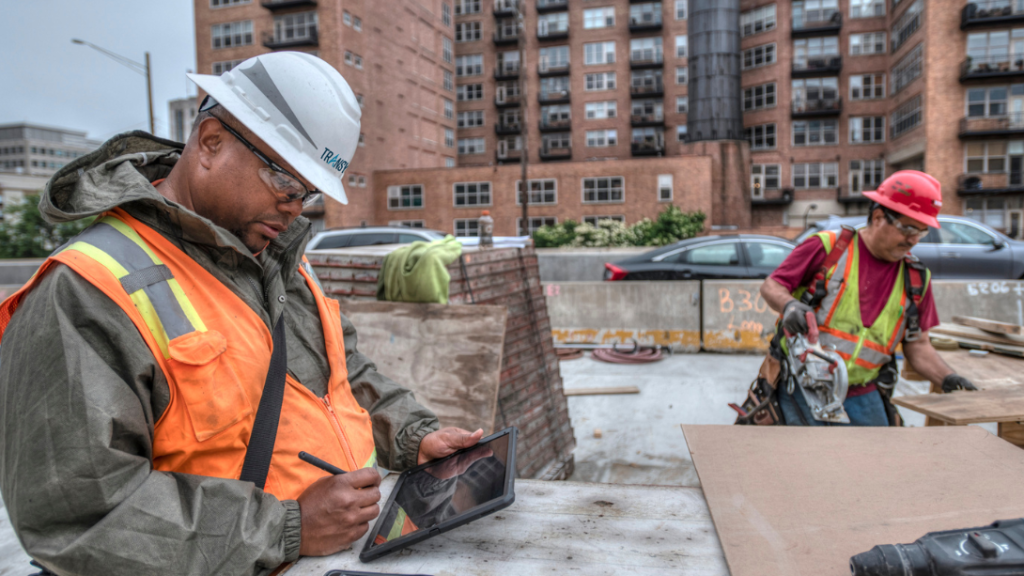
point(46, 79)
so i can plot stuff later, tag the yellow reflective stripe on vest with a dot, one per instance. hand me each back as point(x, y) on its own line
point(157, 296)
point(372, 461)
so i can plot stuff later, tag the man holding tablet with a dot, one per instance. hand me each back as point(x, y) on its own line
point(160, 373)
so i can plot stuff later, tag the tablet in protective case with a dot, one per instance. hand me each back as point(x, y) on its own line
point(444, 494)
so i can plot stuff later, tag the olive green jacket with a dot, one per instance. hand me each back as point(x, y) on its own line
point(80, 393)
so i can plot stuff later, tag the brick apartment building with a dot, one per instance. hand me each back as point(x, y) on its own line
point(836, 94)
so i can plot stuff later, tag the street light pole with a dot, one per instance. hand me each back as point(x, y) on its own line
point(138, 68)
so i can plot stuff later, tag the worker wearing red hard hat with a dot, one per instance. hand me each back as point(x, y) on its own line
point(866, 294)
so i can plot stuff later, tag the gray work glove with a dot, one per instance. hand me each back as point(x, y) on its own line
point(794, 317)
point(956, 382)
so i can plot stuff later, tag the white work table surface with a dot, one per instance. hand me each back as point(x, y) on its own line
point(557, 528)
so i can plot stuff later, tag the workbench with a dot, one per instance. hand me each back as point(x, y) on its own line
point(560, 528)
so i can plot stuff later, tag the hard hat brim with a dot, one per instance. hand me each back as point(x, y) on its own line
point(326, 181)
point(927, 219)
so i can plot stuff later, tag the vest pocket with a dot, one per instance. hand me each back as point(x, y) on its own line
point(207, 383)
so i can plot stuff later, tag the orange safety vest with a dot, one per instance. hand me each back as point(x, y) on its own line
point(215, 352)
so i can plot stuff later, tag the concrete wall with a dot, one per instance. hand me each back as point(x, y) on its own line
point(580, 264)
point(735, 318)
point(18, 271)
point(1001, 300)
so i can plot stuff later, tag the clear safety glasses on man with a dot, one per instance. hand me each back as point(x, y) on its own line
point(905, 229)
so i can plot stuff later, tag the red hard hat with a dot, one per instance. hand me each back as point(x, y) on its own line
point(911, 193)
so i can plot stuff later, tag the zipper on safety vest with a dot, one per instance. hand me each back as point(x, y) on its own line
point(339, 431)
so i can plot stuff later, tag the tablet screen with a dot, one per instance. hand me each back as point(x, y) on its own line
point(451, 487)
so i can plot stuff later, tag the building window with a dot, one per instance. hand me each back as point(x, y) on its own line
point(907, 24)
point(681, 46)
point(907, 69)
point(809, 13)
point(681, 9)
point(449, 162)
point(536, 223)
point(764, 177)
point(867, 129)
point(990, 102)
point(816, 175)
point(446, 14)
point(646, 50)
point(470, 65)
point(815, 133)
point(815, 53)
point(600, 81)
point(682, 75)
point(866, 175)
point(449, 84)
point(599, 18)
point(603, 190)
point(471, 194)
point(467, 227)
point(231, 34)
point(295, 26)
point(352, 180)
point(982, 157)
point(449, 109)
point(449, 138)
point(644, 14)
point(362, 181)
point(602, 138)
point(224, 66)
point(761, 137)
point(599, 53)
point(645, 82)
point(507, 62)
point(467, 32)
point(867, 8)
point(467, 92)
point(907, 116)
point(554, 116)
point(405, 197)
point(664, 187)
point(346, 18)
point(758, 97)
point(471, 145)
point(758, 20)
point(446, 49)
point(648, 110)
point(593, 220)
point(759, 56)
point(470, 119)
point(555, 142)
point(648, 138)
point(407, 223)
point(682, 105)
point(815, 94)
point(554, 88)
point(541, 191)
point(867, 86)
point(358, 62)
point(556, 23)
point(362, 139)
point(600, 110)
point(554, 57)
point(467, 7)
point(681, 133)
point(357, 24)
point(223, 3)
point(865, 44)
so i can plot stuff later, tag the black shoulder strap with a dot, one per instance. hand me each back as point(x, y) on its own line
point(817, 291)
point(264, 429)
point(913, 282)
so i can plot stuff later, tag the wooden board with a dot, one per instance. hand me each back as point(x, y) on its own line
point(560, 528)
point(986, 372)
point(957, 331)
point(989, 325)
point(967, 407)
point(600, 391)
point(450, 356)
point(800, 501)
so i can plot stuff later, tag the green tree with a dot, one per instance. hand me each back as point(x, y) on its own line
point(672, 225)
point(25, 234)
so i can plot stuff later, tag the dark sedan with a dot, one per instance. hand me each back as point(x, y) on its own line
point(705, 258)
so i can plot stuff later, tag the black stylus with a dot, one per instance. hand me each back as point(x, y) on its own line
point(307, 457)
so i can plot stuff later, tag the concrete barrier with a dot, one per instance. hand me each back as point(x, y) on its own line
point(1001, 300)
point(18, 271)
point(580, 264)
point(735, 318)
point(652, 313)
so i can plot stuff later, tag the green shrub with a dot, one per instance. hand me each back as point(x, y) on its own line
point(672, 225)
point(25, 234)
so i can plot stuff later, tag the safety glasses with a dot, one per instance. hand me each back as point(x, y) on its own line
point(905, 229)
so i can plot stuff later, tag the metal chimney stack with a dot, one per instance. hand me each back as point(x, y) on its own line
point(714, 61)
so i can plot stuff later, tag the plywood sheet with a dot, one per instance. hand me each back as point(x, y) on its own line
point(961, 408)
point(990, 325)
point(957, 331)
point(986, 372)
point(450, 356)
point(799, 501)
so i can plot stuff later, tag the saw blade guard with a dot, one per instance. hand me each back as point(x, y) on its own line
point(821, 375)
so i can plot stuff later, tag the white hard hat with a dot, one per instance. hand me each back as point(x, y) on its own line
point(300, 106)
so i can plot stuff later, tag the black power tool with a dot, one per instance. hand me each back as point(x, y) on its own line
point(996, 550)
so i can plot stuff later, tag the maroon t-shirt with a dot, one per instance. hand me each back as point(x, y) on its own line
point(877, 278)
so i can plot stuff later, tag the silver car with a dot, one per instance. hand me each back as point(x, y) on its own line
point(962, 248)
point(371, 236)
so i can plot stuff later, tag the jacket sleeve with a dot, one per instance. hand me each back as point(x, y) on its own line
point(399, 421)
point(78, 387)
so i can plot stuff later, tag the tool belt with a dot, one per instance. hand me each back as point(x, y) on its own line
point(761, 407)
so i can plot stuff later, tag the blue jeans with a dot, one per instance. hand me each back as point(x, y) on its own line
point(864, 410)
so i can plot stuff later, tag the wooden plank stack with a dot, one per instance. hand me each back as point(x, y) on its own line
point(530, 395)
point(982, 334)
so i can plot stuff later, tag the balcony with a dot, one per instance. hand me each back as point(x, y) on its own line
point(645, 24)
point(1010, 125)
point(647, 90)
point(549, 34)
point(554, 97)
point(992, 67)
point(559, 125)
point(507, 156)
point(547, 69)
point(278, 42)
point(817, 107)
point(506, 101)
point(550, 153)
point(503, 37)
point(642, 120)
point(641, 60)
point(987, 184)
point(845, 196)
point(508, 71)
point(821, 25)
point(820, 66)
point(273, 5)
point(774, 197)
point(991, 12)
point(505, 8)
point(502, 128)
point(545, 6)
point(648, 148)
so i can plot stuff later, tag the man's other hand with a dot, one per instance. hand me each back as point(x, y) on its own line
point(955, 382)
point(445, 441)
point(337, 510)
